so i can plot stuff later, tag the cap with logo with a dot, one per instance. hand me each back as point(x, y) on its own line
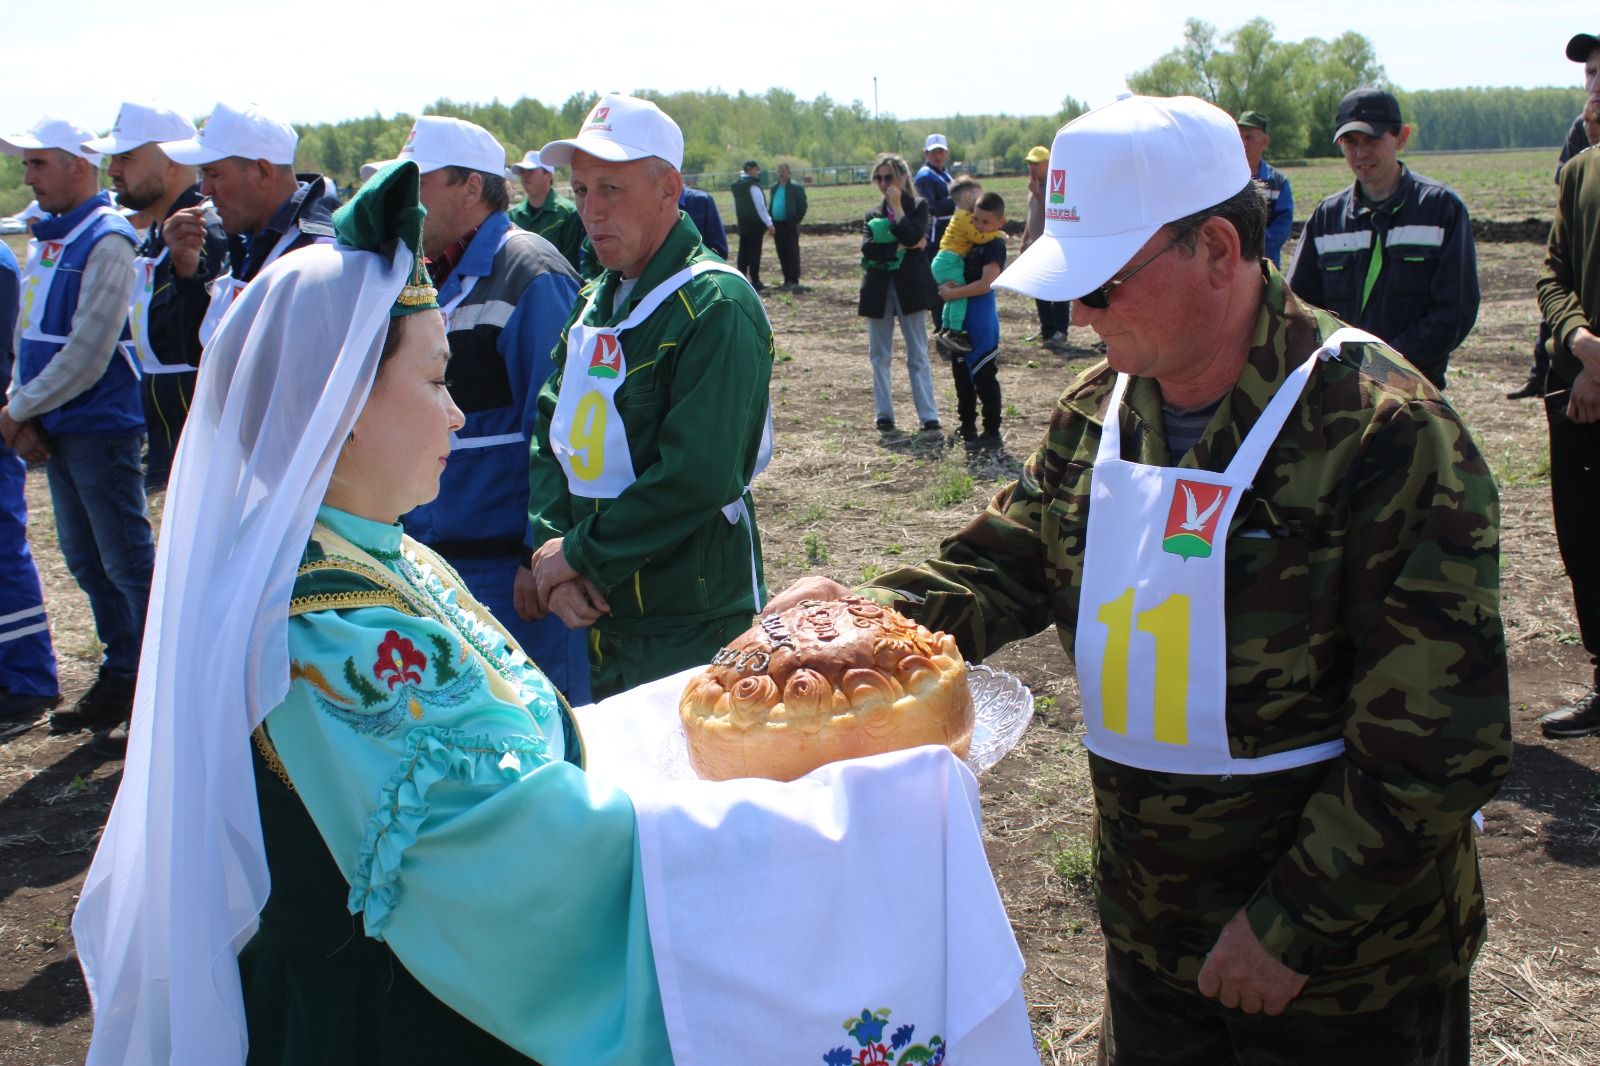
point(620, 129)
point(140, 124)
point(52, 132)
point(531, 161)
point(1370, 111)
point(1253, 119)
point(1037, 154)
point(935, 140)
point(243, 132)
point(1581, 45)
point(438, 141)
point(1117, 175)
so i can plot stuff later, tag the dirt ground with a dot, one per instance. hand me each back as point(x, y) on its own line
point(841, 500)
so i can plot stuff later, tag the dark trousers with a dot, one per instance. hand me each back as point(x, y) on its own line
point(971, 388)
point(1054, 317)
point(166, 407)
point(1575, 502)
point(1149, 1022)
point(751, 235)
point(786, 241)
point(1539, 369)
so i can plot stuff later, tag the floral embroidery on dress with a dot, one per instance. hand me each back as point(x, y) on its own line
point(400, 666)
point(867, 1030)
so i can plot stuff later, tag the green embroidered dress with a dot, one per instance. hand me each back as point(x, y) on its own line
point(440, 838)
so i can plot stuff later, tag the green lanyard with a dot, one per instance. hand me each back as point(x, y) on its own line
point(1374, 268)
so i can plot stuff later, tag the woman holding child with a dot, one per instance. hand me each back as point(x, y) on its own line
point(897, 283)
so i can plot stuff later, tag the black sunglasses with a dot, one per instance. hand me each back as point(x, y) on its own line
point(1100, 298)
point(879, 179)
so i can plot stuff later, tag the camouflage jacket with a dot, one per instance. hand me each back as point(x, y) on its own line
point(1363, 607)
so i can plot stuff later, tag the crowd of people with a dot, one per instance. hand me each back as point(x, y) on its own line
point(462, 466)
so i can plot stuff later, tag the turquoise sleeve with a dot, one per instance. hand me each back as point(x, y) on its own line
point(503, 877)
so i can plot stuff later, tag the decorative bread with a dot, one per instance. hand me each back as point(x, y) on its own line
point(820, 682)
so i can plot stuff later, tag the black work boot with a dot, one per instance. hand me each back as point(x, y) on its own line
point(108, 701)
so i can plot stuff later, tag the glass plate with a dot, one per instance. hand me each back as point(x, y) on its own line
point(1002, 708)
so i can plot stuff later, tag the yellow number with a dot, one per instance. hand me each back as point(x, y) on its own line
point(1117, 617)
point(588, 438)
point(27, 303)
point(1168, 623)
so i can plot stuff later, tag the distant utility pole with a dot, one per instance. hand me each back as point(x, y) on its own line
point(877, 120)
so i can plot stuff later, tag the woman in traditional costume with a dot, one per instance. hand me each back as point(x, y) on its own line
point(321, 698)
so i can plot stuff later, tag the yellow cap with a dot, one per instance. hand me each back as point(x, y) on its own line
point(1038, 154)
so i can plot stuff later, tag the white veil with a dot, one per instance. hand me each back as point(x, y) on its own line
point(180, 876)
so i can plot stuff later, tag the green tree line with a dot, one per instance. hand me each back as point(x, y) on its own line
point(1298, 85)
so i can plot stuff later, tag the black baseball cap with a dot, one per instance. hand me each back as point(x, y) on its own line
point(1579, 47)
point(748, 163)
point(1370, 111)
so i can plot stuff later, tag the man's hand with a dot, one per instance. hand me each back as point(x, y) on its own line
point(185, 234)
point(9, 428)
point(1583, 404)
point(1239, 972)
point(807, 588)
point(31, 444)
point(525, 595)
point(578, 603)
point(772, 231)
point(550, 568)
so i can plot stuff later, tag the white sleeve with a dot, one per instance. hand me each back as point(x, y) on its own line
point(759, 198)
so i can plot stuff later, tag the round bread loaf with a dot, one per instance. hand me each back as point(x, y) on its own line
point(820, 682)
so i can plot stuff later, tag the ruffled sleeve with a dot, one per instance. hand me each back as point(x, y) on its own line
point(502, 876)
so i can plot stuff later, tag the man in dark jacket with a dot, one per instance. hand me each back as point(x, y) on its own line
point(788, 210)
point(545, 211)
point(1569, 299)
point(165, 312)
point(701, 207)
point(750, 209)
point(246, 161)
point(1393, 253)
point(933, 183)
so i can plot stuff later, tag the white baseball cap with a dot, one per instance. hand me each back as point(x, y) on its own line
point(139, 124)
point(935, 140)
point(1118, 174)
point(437, 141)
point(52, 132)
point(531, 161)
point(246, 132)
point(620, 129)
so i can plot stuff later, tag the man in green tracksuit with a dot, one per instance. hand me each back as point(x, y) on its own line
point(653, 424)
point(545, 211)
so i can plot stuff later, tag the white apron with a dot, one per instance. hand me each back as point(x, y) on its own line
point(144, 288)
point(39, 275)
point(1152, 645)
point(586, 431)
point(224, 289)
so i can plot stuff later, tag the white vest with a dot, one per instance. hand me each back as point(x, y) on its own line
point(1152, 644)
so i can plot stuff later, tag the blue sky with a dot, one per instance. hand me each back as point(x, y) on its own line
point(329, 61)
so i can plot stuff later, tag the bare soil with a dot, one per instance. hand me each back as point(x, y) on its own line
point(840, 499)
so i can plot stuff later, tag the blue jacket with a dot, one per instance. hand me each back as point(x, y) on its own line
point(503, 336)
point(1281, 198)
point(112, 404)
point(10, 280)
point(1423, 297)
point(934, 187)
point(701, 207)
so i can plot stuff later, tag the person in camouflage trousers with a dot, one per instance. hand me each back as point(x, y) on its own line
point(1308, 891)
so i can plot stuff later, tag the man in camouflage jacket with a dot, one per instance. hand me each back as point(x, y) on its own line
point(1360, 605)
